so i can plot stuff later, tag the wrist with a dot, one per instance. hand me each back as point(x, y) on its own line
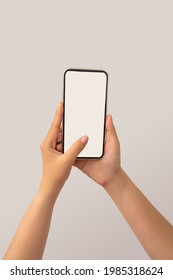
point(117, 184)
point(48, 191)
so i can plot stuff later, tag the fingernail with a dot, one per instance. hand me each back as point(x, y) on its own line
point(110, 117)
point(60, 104)
point(84, 139)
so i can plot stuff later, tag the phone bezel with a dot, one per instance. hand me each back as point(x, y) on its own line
point(105, 108)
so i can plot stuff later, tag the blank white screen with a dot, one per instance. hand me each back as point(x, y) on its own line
point(84, 112)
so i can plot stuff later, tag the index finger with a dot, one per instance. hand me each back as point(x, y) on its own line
point(56, 126)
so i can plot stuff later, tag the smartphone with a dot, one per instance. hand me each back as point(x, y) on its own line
point(85, 101)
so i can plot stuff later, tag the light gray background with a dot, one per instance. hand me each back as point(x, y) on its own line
point(132, 41)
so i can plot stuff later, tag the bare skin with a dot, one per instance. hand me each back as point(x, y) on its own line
point(153, 231)
point(30, 239)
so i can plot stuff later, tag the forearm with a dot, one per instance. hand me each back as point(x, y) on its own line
point(30, 238)
point(153, 231)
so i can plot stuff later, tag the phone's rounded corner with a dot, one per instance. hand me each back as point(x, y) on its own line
point(106, 73)
point(100, 157)
point(66, 71)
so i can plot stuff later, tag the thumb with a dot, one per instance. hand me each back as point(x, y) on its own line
point(111, 133)
point(76, 148)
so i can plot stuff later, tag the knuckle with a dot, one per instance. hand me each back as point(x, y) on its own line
point(65, 160)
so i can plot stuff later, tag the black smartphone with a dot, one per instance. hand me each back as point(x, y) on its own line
point(85, 100)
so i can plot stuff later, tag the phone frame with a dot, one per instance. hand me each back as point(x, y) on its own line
point(105, 108)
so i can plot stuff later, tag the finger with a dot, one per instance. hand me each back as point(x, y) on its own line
point(59, 147)
point(59, 138)
point(55, 127)
point(110, 129)
point(61, 127)
point(76, 148)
